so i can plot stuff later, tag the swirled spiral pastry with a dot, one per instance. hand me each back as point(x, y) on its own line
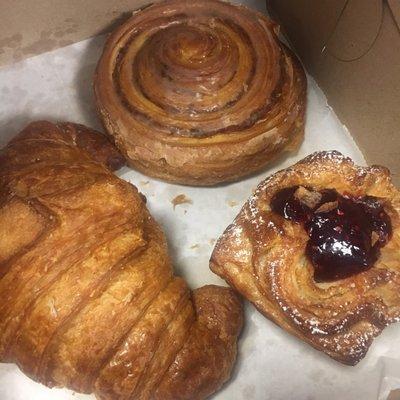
point(88, 299)
point(200, 92)
point(317, 250)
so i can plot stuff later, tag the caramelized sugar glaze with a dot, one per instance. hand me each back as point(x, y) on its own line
point(200, 92)
point(278, 253)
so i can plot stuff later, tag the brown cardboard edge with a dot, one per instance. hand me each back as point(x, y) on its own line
point(365, 94)
point(52, 24)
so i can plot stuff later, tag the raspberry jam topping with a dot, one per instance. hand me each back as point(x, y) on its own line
point(345, 233)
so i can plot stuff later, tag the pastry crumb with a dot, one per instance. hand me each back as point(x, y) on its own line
point(194, 246)
point(374, 238)
point(144, 183)
point(212, 241)
point(327, 207)
point(308, 197)
point(232, 203)
point(52, 307)
point(181, 199)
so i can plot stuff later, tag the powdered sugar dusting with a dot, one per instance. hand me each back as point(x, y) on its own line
point(337, 328)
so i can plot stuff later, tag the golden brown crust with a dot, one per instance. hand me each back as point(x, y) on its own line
point(262, 255)
point(218, 321)
point(200, 92)
point(88, 299)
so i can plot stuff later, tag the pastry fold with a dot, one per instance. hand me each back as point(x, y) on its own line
point(88, 299)
point(200, 92)
point(263, 256)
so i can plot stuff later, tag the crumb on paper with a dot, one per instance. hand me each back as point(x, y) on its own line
point(181, 199)
point(194, 246)
point(212, 241)
point(232, 203)
point(144, 183)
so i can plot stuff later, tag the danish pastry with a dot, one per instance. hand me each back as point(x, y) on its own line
point(200, 92)
point(317, 250)
point(88, 299)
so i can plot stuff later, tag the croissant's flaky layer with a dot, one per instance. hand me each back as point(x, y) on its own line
point(200, 92)
point(88, 299)
point(262, 255)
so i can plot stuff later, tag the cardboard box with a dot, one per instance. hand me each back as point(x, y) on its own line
point(31, 27)
point(352, 49)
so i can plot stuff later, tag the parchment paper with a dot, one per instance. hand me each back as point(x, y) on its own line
point(271, 364)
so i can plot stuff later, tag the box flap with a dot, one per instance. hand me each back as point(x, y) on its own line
point(395, 9)
point(359, 71)
point(32, 27)
point(356, 29)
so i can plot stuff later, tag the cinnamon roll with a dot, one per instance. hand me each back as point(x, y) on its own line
point(200, 92)
point(317, 250)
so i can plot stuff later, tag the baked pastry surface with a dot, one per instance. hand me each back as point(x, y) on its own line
point(200, 92)
point(263, 256)
point(88, 299)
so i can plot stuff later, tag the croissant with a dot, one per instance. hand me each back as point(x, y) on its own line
point(88, 299)
point(316, 249)
point(200, 92)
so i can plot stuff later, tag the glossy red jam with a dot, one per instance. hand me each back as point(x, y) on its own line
point(346, 233)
